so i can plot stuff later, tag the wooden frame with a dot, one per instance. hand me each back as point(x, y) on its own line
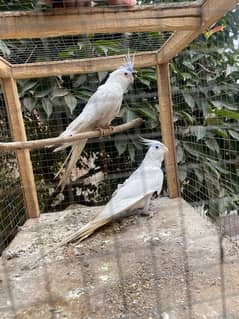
point(167, 128)
point(160, 17)
point(23, 156)
point(188, 20)
point(79, 66)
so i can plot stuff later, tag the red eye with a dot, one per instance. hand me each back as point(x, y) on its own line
point(125, 73)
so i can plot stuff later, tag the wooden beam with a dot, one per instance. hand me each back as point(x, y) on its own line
point(157, 17)
point(167, 128)
point(5, 70)
point(46, 69)
point(13, 146)
point(175, 44)
point(23, 156)
point(211, 10)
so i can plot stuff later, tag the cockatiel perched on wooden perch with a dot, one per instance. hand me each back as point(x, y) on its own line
point(133, 194)
point(102, 107)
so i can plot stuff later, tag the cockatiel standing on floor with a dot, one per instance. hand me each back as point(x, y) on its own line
point(102, 107)
point(133, 194)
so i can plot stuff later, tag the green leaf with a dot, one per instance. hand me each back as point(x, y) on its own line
point(191, 150)
point(188, 64)
point(228, 114)
point(144, 81)
point(47, 106)
point(102, 76)
point(29, 103)
point(80, 80)
point(222, 133)
point(71, 102)
point(131, 150)
point(221, 104)
point(58, 92)
point(199, 174)
point(198, 131)
point(218, 166)
point(129, 115)
point(212, 145)
point(27, 86)
point(231, 68)
point(121, 144)
point(217, 104)
point(234, 134)
point(182, 173)
point(189, 100)
point(185, 116)
point(43, 93)
point(4, 49)
point(180, 154)
point(146, 114)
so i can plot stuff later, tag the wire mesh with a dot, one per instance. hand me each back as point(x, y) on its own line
point(81, 46)
point(12, 212)
point(206, 120)
point(106, 162)
point(175, 265)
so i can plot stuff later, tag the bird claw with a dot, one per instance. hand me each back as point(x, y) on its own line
point(103, 131)
point(150, 215)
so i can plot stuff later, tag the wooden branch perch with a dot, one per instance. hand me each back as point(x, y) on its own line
point(13, 146)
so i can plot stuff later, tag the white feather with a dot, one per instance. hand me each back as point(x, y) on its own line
point(134, 193)
point(102, 107)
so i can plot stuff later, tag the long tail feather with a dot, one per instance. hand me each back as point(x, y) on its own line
point(75, 154)
point(87, 230)
point(64, 164)
point(61, 147)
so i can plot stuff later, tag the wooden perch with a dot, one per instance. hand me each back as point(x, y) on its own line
point(14, 146)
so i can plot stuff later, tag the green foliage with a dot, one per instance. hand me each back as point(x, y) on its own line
point(205, 91)
point(205, 81)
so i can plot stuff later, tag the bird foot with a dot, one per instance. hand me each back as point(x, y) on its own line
point(103, 130)
point(151, 215)
point(147, 214)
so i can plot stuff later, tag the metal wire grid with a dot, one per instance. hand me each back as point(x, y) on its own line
point(207, 147)
point(12, 211)
point(81, 46)
point(106, 162)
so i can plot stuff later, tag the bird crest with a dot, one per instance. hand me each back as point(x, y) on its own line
point(150, 143)
point(129, 62)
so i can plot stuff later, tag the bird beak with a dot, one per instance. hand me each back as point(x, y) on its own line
point(165, 149)
point(131, 78)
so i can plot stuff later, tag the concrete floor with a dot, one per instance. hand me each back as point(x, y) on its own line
point(172, 266)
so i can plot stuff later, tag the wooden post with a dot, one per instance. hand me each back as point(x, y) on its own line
point(167, 128)
point(23, 156)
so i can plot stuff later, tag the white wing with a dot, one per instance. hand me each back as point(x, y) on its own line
point(142, 183)
point(101, 109)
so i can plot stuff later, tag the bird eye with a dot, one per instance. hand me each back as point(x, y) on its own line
point(156, 147)
point(126, 73)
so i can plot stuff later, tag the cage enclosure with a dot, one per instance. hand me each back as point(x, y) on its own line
point(55, 54)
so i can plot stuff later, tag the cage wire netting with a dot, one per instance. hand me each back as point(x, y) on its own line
point(205, 102)
point(206, 106)
point(107, 161)
point(80, 47)
point(12, 211)
point(50, 104)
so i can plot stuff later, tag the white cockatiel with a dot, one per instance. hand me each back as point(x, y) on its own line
point(134, 193)
point(102, 107)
